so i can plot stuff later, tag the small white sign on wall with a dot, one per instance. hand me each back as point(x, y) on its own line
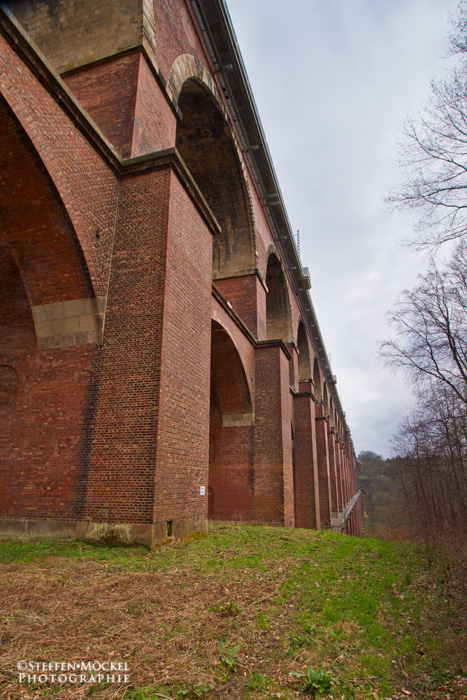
point(202, 490)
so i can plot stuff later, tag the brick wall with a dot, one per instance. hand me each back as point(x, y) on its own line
point(323, 464)
point(124, 99)
point(42, 407)
point(107, 91)
point(332, 471)
point(155, 122)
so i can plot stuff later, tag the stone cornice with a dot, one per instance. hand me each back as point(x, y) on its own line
point(275, 343)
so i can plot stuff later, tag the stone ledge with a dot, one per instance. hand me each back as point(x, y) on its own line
point(68, 323)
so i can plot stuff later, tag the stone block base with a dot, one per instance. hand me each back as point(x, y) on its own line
point(106, 534)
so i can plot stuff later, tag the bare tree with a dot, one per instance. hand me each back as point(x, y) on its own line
point(430, 323)
point(433, 152)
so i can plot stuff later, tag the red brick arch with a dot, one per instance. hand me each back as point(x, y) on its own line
point(43, 389)
point(208, 145)
point(73, 168)
point(35, 225)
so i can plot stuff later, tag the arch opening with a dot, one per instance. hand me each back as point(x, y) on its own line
point(205, 142)
point(325, 399)
point(231, 482)
point(304, 366)
point(278, 316)
point(317, 381)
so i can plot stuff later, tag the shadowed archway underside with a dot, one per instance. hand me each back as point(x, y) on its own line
point(279, 322)
point(205, 143)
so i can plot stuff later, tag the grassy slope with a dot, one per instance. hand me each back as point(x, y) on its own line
point(238, 615)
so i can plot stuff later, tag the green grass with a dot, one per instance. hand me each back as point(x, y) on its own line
point(249, 612)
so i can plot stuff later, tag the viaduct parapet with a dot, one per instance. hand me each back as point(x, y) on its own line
point(160, 359)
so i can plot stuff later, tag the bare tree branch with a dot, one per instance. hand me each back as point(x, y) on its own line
point(433, 153)
point(430, 325)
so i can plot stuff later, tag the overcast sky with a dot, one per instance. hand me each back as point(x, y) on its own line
point(333, 81)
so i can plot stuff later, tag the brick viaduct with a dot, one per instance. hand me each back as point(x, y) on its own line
point(160, 358)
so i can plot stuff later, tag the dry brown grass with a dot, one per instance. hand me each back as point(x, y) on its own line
point(165, 624)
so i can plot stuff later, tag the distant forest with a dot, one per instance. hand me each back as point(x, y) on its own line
point(384, 506)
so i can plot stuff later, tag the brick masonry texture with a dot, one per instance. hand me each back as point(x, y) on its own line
point(113, 108)
point(244, 294)
point(126, 395)
point(155, 369)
